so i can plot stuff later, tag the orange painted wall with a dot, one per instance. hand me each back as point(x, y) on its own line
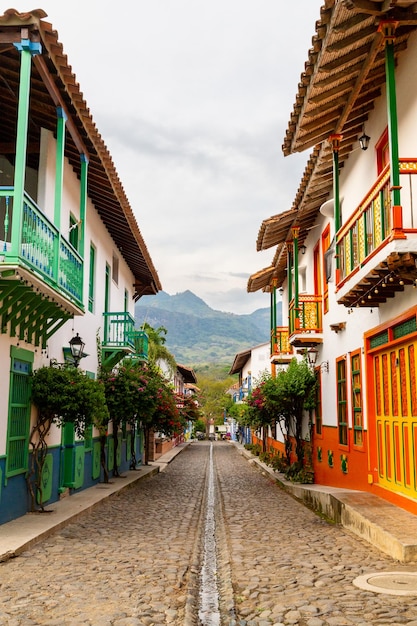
point(356, 474)
point(350, 463)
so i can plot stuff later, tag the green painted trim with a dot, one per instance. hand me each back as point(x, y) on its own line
point(336, 194)
point(96, 465)
point(110, 453)
point(21, 149)
point(392, 122)
point(59, 165)
point(22, 353)
point(83, 201)
point(296, 293)
point(79, 459)
point(46, 480)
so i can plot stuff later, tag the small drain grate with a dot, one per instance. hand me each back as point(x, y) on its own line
point(393, 583)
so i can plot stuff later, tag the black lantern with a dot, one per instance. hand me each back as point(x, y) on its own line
point(312, 356)
point(364, 140)
point(77, 348)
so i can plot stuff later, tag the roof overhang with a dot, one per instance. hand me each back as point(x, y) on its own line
point(54, 84)
point(240, 361)
point(343, 76)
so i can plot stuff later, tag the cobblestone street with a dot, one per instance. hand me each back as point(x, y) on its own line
point(136, 559)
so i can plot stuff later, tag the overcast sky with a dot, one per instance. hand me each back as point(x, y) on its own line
point(193, 98)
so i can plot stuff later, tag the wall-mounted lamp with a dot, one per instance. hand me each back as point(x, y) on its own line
point(312, 356)
point(77, 347)
point(280, 291)
point(302, 249)
point(312, 359)
point(364, 140)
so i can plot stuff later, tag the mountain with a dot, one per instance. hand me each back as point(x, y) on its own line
point(198, 334)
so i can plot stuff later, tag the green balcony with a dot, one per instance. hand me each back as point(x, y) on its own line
point(41, 274)
point(121, 340)
point(373, 265)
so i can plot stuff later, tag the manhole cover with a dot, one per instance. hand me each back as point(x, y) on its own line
point(394, 583)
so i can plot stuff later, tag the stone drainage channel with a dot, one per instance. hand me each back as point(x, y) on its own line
point(213, 594)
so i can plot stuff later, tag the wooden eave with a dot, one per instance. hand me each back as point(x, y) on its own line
point(274, 230)
point(187, 373)
point(240, 361)
point(54, 84)
point(343, 76)
point(344, 72)
point(275, 274)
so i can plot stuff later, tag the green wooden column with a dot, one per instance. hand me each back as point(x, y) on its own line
point(83, 210)
point(289, 285)
point(273, 315)
point(59, 168)
point(83, 202)
point(335, 141)
point(388, 30)
point(27, 50)
point(295, 233)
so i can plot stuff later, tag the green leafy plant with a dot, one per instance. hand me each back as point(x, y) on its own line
point(62, 395)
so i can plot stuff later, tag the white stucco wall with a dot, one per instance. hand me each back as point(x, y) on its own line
point(86, 325)
point(356, 179)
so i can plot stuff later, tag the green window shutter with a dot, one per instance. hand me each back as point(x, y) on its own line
point(91, 279)
point(17, 443)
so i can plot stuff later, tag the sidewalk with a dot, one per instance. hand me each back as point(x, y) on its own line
point(21, 533)
point(388, 528)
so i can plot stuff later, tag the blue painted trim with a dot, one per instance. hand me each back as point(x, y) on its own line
point(33, 47)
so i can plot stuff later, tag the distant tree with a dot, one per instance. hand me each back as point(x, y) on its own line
point(214, 399)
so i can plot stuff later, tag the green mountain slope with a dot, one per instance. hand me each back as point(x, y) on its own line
point(198, 334)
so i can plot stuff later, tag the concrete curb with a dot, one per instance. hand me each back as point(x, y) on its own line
point(388, 528)
point(22, 533)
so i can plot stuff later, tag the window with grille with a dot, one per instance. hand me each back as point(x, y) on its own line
point(17, 444)
point(91, 281)
point(342, 419)
point(357, 412)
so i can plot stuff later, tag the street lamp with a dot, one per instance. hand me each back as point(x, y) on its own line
point(76, 347)
point(312, 356)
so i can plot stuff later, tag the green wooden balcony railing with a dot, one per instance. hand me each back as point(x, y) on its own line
point(41, 248)
point(370, 225)
point(309, 318)
point(118, 330)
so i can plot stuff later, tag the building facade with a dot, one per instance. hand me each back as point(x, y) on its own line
point(346, 251)
point(72, 258)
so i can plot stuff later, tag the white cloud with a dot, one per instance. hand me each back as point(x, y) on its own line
point(193, 100)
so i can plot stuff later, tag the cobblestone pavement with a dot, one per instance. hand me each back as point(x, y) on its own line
point(135, 560)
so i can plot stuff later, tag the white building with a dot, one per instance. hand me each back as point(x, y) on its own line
point(73, 260)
